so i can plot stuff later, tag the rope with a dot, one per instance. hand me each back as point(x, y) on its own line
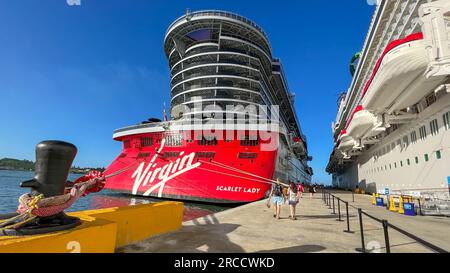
point(32, 207)
point(124, 169)
point(237, 170)
point(231, 175)
point(261, 179)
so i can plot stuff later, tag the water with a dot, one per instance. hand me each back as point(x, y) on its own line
point(10, 191)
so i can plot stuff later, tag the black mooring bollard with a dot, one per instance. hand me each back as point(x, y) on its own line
point(363, 244)
point(386, 236)
point(53, 162)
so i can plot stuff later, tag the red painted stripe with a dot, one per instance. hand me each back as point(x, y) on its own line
point(357, 109)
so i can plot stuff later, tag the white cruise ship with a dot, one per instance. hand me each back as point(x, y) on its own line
point(392, 130)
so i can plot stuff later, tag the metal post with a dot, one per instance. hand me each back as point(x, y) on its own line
point(353, 196)
point(329, 200)
point(348, 218)
point(363, 244)
point(386, 236)
point(339, 209)
point(334, 208)
point(420, 207)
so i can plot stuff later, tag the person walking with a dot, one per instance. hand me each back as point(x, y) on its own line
point(300, 188)
point(293, 197)
point(312, 190)
point(277, 197)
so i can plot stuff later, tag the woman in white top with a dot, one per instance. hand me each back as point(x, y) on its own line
point(294, 197)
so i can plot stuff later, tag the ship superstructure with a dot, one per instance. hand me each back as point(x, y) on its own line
point(392, 129)
point(233, 126)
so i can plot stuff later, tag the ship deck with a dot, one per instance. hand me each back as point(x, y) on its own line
point(252, 229)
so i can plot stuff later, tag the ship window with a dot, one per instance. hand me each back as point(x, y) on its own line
point(248, 155)
point(438, 155)
point(143, 155)
point(434, 127)
point(405, 142)
point(417, 160)
point(395, 165)
point(447, 120)
point(200, 35)
point(409, 162)
point(390, 166)
point(209, 155)
point(401, 163)
point(431, 99)
point(427, 158)
point(414, 137)
point(207, 142)
point(423, 132)
point(146, 141)
point(126, 144)
point(174, 140)
point(171, 154)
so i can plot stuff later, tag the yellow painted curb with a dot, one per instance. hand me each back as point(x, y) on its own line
point(136, 223)
point(98, 236)
point(103, 230)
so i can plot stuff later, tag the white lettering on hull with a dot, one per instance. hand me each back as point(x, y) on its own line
point(238, 189)
point(148, 173)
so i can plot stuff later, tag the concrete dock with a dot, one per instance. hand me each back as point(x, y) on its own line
point(252, 229)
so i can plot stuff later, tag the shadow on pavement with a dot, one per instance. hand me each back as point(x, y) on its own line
point(297, 249)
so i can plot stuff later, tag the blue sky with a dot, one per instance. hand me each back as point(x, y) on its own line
point(76, 73)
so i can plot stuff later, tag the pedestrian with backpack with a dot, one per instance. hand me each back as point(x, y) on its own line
point(277, 197)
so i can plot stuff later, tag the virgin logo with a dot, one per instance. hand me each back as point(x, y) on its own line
point(147, 174)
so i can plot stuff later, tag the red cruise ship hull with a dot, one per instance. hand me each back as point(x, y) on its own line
point(217, 171)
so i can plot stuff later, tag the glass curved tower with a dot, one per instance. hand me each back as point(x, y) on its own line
point(219, 59)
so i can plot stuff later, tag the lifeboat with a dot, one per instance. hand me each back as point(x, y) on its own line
point(360, 123)
point(398, 80)
point(299, 146)
point(346, 142)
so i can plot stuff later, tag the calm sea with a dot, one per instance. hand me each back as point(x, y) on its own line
point(10, 191)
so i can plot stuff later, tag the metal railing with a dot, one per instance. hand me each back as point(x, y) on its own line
point(329, 200)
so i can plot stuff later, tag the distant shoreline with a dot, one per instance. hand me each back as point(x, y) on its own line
point(24, 170)
point(11, 164)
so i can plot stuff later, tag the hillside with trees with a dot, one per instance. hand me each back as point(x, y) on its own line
point(27, 165)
